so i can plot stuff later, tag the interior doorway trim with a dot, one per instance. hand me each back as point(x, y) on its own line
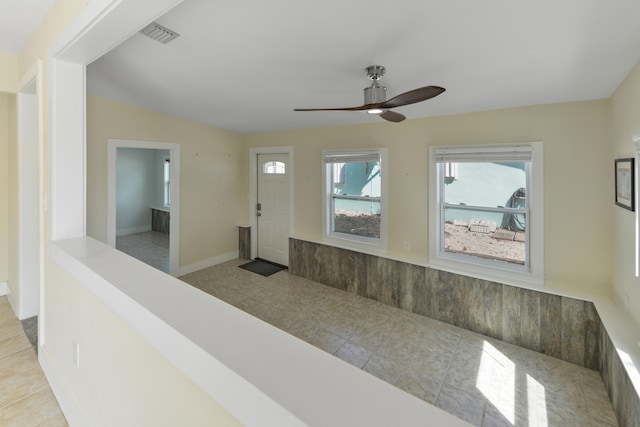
point(28, 276)
point(174, 185)
point(253, 189)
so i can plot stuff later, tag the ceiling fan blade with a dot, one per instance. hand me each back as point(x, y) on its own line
point(413, 96)
point(392, 116)
point(360, 108)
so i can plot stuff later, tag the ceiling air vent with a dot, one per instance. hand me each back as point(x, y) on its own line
point(159, 33)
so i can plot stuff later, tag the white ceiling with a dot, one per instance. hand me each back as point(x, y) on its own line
point(245, 65)
point(18, 20)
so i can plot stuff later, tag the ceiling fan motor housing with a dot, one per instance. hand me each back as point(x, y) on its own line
point(375, 94)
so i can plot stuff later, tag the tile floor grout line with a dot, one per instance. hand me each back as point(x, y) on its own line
point(448, 368)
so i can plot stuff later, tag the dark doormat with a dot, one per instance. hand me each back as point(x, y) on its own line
point(262, 267)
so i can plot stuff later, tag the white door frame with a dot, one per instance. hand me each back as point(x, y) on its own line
point(30, 254)
point(174, 217)
point(253, 189)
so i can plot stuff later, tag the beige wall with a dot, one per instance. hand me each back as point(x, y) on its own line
point(577, 176)
point(59, 17)
point(209, 171)
point(625, 123)
point(8, 72)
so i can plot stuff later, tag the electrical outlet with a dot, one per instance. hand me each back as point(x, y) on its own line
point(406, 246)
point(76, 354)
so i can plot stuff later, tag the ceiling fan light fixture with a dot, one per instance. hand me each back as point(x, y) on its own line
point(375, 111)
point(375, 94)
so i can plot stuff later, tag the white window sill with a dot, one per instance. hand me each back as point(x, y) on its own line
point(355, 244)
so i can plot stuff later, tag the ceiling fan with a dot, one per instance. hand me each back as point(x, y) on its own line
point(375, 97)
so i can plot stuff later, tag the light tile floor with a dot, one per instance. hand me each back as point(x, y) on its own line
point(25, 396)
point(150, 247)
point(482, 380)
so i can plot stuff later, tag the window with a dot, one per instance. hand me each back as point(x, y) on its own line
point(167, 182)
point(354, 205)
point(273, 167)
point(486, 211)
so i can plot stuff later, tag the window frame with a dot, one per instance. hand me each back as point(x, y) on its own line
point(352, 241)
point(529, 275)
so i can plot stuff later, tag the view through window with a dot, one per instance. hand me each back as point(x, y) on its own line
point(484, 208)
point(354, 183)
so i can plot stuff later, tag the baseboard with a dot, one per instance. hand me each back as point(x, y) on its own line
point(134, 230)
point(63, 393)
point(12, 301)
point(3, 288)
point(205, 263)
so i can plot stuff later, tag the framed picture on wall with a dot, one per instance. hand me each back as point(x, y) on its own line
point(625, 183)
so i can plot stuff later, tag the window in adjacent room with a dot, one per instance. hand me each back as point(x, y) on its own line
point(354, 202)
point(167, 182)
point(486, 211)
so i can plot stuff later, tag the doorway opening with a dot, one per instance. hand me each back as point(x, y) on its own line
point(25, 276)
point(143, 201)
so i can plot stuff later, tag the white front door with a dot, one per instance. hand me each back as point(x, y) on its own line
point(272, 208)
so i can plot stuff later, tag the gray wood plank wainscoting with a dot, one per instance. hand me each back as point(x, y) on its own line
point(160, 220)
point(244, 242)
